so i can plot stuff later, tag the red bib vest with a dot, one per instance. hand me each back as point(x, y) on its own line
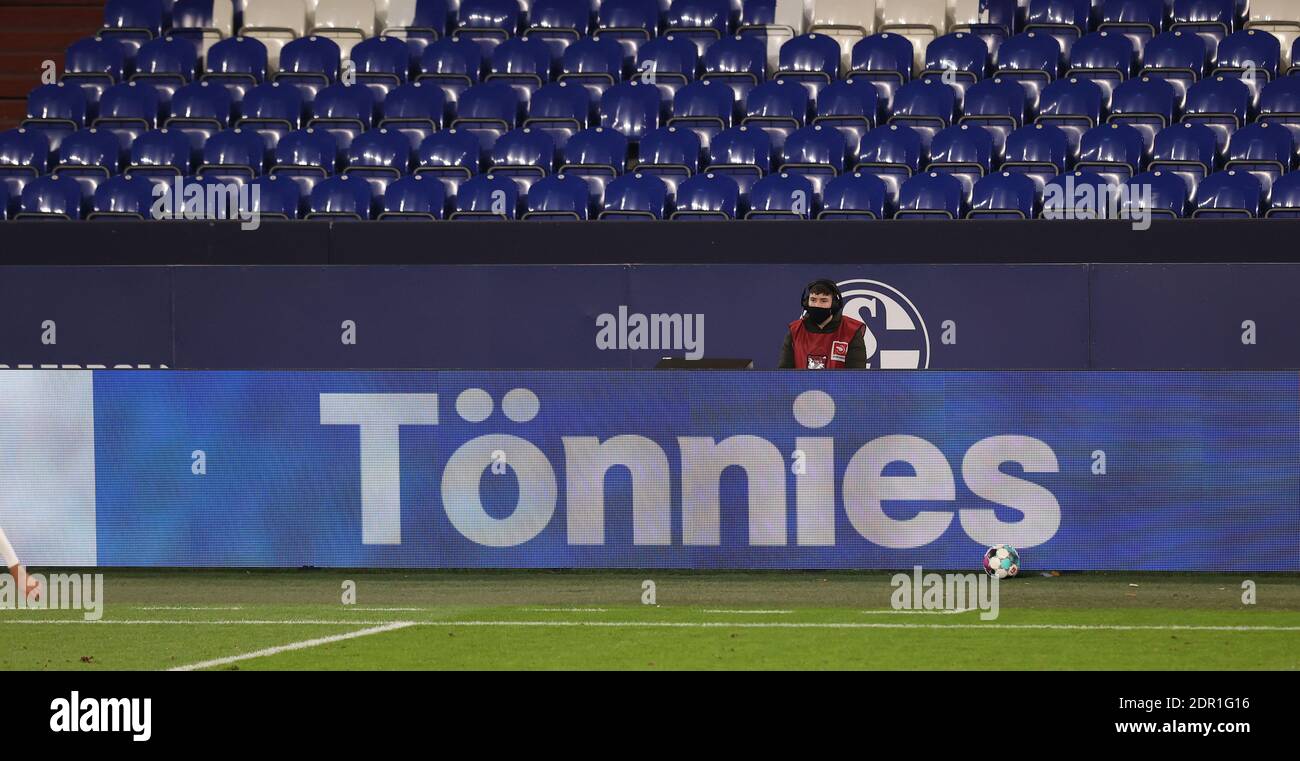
point(822, 351)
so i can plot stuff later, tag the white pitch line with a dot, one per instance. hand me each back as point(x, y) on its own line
point(293, 646)
point(381, 610)
point(181, 607)
point(566, 610)
point(915, 612)
point(747, 612)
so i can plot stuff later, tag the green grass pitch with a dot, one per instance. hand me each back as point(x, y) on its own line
point(235, 619)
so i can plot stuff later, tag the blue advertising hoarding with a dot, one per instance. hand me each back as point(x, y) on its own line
point(1080, 470)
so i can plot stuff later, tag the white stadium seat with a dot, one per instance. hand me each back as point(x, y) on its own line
point(790, 21)
point(846, 20)
point(275, 23)
point(920, 21)
point(1282, 18)
point(347, 22)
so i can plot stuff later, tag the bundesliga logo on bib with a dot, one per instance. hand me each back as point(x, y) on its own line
point(839, 351)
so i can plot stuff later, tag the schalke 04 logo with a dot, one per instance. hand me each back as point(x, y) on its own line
point(896, 336)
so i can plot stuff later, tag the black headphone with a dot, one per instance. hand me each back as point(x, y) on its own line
point(837, 299)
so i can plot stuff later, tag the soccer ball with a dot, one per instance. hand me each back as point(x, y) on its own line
point(1001, 561)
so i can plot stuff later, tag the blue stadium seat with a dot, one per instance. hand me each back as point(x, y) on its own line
point(343, 111)
point(596, 63)
point(90, 157)
point(234, 155)
point(382, 64)
point(1138, 20)
point(1145, 103)
point(560, 109)
point(893, 154)
point(812, 60)
point(885, 60)
point(161, 154)
point(635, 196)
point(453, 156)
point(524, 155)
point(1004, 195)
point(1073, 104)
point(559, 23)
point(962, 151)
point(167, 63)
point(1103, 58)
point(523, 63)
point(50, 197)
point(1211, 20)
point(24, 156)
point(632, 108)
point(1159, 193)
point(739, 62)
point(707, 196)
point(199, 111)
point(487, 198)
point(94, 64)
point(487, 22)
point(1285, 203)
point(991, 20)
point(1251, 55)
point(488, 110)
point(706, 108)
point(1266, 151)
point(674, 61)
point(275, 196)
point(1221, 103)
point(379, 156)
point(558, 197)
point(703, 22)
point(128, 110)
point(1063, 20)
point(997, 105)
point(1031, 58)
point(856, 195)
point(930, 195)
point(418, 24)
point(1228, 194)
point(311, 64)
point(1176, 57)
point(203, 23)
point(670, 153)
point(132, 22)
point(597, 155)
point(774, 22)
point(415, 197)
point(1279, 103)
point(777, 108)
point(1187, 151)
point(272, 111)
point(628, 22)
point(783, 196)
point(1038, 151)
point(1078, 195)
point(741, 153)
point(453, 65)
point(238, 64)
point(850, 106)
point(1113, 151)
point(926, 106)
point(56, 111)
point(959, 59)
point(414, 109)
point(815, 152)
point(307, 157)
point(123, 198)
point(341, 197)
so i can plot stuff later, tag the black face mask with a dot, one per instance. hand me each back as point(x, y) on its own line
point(818, 315)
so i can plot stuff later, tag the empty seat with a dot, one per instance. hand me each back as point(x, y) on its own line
point(1157, 193)
point(276, 197)
point(132, 22)
point(341, 197)
point(51, 197)
point(700, 21)
point(885, 60)
point(128, 110)
point(124, 198)
point(672, 61)
point(628, 22)
point(671, 154)
point(1251, 55)
point(344, 111)
point(708, 196)
point(815, 152)
point(275, 23)
point(1079, 195)
point(1063, 20)
point(56, 111)
point(379, 156)
point(1281, 18)
point(203, 22)
point(414, 109)
point(812, 60)
point(94, 64)
point(635, 196)
point(998, 106)
point(849, 105)
point(927, 106)
point(307, 157)
point(487, 22)
point(1039, 151)
point(199, 110)
point(594, 63)
point(166, 63)
point(632, 108)
point(347, 22)
point(739, 62)
point(892, 153)
point(775, 22)
point(1073, 104)
point(1105, 58)
point(311, 64)
point(597, 155)
point(1266, 151)
point(1146, 103)
point(1113, 151)
point(1221, 104)
point(1211, 20)
point(777, 108)
point(921, 21)
point(1279, 103)
point(1228, 194)
point(272, 111)
point(1285, 202)
point(742, 153)
point(418, 23)
point(1187, 151)
point(1138, 20)
point(522, 63)
point(239, 64)
point(90, 157)
point(958, 59)
point(783, 196)
point(234, 155)
point(963, 151)
point(24, 156)
point(415, 197)
point(705, 108)
point(856, 195)
point(161, 154)
point(1176, 57)
point(991, 20)
point(1031, 58)
point(452, 156)
point(930, 195)
point(559, 109)
point(558, 23)
point(559, 196)
point(453, 65)
point(1004, 195)
point(523, 154)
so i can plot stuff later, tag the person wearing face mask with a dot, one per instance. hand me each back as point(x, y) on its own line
point(824, 339)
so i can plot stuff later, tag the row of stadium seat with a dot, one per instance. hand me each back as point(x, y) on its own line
point(645, 196)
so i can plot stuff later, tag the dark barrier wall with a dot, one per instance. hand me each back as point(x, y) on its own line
point(1079, 470)
point(950, 316)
